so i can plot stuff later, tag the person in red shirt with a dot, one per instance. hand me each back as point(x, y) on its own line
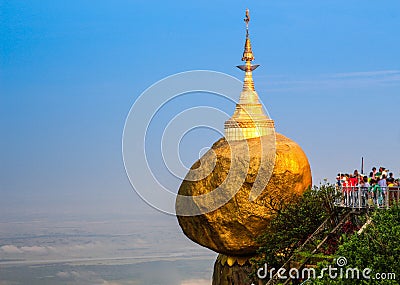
point(353, 182)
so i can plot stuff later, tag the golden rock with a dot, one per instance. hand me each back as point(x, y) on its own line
point(232, 229)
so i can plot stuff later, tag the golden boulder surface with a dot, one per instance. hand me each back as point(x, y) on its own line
point(232, 228)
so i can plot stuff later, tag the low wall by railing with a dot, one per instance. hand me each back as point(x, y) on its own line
point(365, 197)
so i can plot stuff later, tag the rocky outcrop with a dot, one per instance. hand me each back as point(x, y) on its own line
point(232, 271)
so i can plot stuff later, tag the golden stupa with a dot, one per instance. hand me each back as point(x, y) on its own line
point(232, 228)
point(249, 119)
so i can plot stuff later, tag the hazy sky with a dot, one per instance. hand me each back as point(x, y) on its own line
point(70, 71)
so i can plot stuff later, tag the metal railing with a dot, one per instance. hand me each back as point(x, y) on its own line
point(367, 197)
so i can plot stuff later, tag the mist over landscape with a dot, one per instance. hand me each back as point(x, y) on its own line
point(100, 250)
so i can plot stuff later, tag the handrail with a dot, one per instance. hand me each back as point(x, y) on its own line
point(275, 278)
point(357, 197)
point(318, 230)
point(344, 218)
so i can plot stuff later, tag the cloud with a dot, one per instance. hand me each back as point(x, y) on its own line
point(38, 250)
point(63, 274)
point(367, 73)
point(64, 250)
point(86, 277)
point(41, 250)
point(196, 282)
point(12, 249)
point(359, 79)
point(83, 246)
point(6, 282)
point(370, 77)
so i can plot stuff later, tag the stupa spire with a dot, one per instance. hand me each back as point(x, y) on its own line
point(247, 54)
point(248, 57)
point(249, 119)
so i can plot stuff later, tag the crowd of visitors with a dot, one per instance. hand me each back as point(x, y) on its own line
point(367, 190)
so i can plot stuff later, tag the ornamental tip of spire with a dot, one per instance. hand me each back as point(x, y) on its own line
point(248, 57)
point(247, 19)
point(248, 53)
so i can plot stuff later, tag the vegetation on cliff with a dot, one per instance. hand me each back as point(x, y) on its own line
point(312, 233)
point(377, 248)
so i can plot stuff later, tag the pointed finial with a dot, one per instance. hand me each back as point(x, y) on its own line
point(247, 19)
point(247, 54)
point(248, 57)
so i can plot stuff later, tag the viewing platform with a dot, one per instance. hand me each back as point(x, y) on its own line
point(358, 197)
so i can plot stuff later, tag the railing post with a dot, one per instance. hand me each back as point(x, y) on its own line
point(398, 194)
point(387, 197)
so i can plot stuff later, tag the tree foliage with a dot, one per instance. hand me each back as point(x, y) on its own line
point(376, 248)
point(293, 224)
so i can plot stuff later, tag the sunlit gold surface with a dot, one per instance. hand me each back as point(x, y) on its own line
point(231, 260)
point(232, 229)
point(248, 53)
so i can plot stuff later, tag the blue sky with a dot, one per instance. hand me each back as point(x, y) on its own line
point(70, 71)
